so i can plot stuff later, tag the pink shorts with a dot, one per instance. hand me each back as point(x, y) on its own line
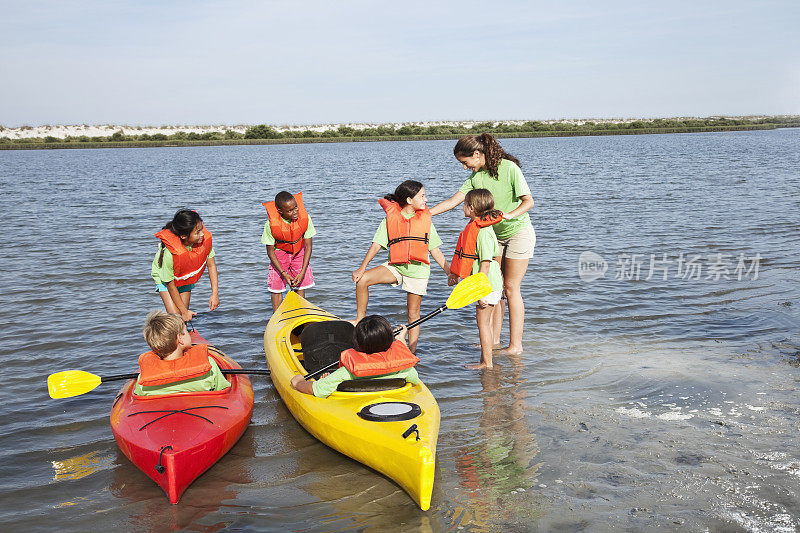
point(291, 265)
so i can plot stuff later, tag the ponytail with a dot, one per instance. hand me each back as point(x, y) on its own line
point(488, 146)
point(182, 225)
point(482, 203)
point(407, 189)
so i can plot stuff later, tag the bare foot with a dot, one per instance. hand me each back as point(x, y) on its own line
point(509, 351)
point(477, 366)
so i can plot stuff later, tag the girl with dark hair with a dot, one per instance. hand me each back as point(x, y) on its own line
point(499, 172)
point(409, 235)
point(377, 353)
point(182, 256)
point(477, 246)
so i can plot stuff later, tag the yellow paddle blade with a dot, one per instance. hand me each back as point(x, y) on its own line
point(469, 291)
point(71, 383)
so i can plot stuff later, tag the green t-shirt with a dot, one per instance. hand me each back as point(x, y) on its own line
point(488, 248)
point(412, 269)
point(508, 189)
point(267, 238)
point(213, 380)
point(324, 387)
point(165, 273)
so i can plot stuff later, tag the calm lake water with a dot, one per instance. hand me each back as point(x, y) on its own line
point(648, 398)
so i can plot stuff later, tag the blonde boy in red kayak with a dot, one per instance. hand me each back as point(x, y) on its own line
point(173, 364)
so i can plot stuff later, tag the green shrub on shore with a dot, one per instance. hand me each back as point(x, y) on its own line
point(262, 131)
point(264, 134)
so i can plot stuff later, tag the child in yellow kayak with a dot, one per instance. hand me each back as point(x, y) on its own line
point(173, 364)
point(475, 252)
point(287, 235)
point(409, 235)
point(376, 354)
point(182, 256)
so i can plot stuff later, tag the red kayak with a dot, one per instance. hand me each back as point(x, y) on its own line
point(174, 438)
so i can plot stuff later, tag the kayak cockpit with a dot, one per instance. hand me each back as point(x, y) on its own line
point(319, 344)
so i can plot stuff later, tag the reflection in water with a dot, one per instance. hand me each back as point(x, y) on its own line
point(149, 508)
point(80, 466)
point(496, 473)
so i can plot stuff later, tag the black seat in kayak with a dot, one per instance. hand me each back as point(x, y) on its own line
point(371, 385)
point(323, 342)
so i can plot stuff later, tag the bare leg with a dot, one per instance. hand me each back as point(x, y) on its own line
point(484, 317)
point(499, 309)
point(277, 298)
point(513, 272)
point(497, 321)
point(185, 297)
point(414, 302)
point(301, 293)
point(373, 276)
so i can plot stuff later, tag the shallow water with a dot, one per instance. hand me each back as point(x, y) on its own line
point(638, 403)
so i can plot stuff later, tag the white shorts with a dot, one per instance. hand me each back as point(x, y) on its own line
point(493, 298)
point(413, 285)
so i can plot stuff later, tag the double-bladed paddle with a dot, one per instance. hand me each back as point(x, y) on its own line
point(71, 383)
point(469, 290)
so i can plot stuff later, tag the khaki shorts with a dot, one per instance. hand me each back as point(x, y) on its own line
point(520, 245)
point(412, 285)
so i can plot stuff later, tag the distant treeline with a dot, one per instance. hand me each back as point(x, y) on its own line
point(264, 134)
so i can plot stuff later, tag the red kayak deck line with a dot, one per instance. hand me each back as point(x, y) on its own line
point(175, 438)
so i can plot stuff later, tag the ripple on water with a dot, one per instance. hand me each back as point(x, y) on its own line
point(651, 403)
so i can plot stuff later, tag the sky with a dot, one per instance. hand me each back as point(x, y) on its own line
point(316, 62)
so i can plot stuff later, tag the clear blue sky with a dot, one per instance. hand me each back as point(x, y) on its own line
point(307, 62)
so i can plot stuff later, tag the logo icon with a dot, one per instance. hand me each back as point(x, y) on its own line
point(591, 266)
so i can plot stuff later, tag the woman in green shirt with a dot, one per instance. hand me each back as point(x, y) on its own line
point(494, 169)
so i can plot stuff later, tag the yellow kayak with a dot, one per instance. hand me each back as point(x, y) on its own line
point(393, 431)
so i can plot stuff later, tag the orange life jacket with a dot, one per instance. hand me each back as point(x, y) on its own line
point(466, 247)
point(155, 371)
point(397, 357)
point(288, 236)
point(188, 265)
point(408, 237)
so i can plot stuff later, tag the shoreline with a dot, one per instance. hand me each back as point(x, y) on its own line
point(62, 145)
point(114, 136)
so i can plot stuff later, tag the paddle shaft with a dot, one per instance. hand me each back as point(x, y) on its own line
point(413, 324)
point(419, 321)
point(226, 371)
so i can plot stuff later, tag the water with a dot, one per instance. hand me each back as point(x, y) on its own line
point(666, 404)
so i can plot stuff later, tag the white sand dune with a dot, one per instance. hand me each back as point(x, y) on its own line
point(105, 130)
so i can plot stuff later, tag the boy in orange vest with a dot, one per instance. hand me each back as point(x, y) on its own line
point(173, 364)
point(376, 354)
point(287, 235)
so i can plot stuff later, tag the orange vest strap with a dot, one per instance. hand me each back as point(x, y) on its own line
point(466, 247)
point(397, 357)
point(288, 236)
point(187, 265)
point(155, 371)
point(407, 237)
